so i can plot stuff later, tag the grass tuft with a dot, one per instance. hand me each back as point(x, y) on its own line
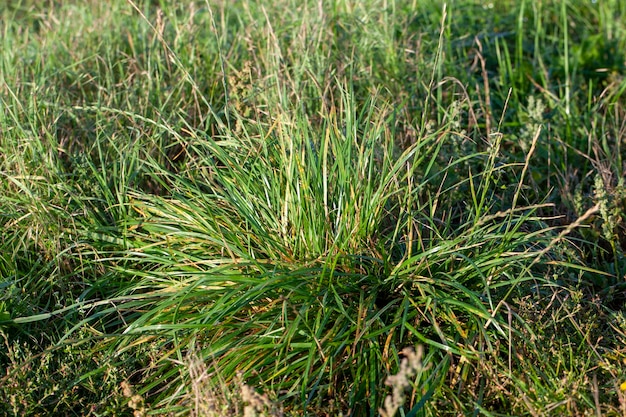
point(288, 209)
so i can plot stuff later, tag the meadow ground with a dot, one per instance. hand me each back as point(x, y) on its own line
point(318, 208)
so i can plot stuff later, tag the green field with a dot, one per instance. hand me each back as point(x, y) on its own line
point(318, 208)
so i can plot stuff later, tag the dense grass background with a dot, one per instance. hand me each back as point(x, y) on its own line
point(200, 198)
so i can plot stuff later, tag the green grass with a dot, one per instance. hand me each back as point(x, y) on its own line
point(238, 208)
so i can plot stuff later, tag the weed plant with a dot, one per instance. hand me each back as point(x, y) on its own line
point(332, 208)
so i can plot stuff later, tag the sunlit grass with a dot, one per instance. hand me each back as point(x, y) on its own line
point(312, 209)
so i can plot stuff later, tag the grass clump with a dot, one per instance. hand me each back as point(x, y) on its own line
point(312, 209)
